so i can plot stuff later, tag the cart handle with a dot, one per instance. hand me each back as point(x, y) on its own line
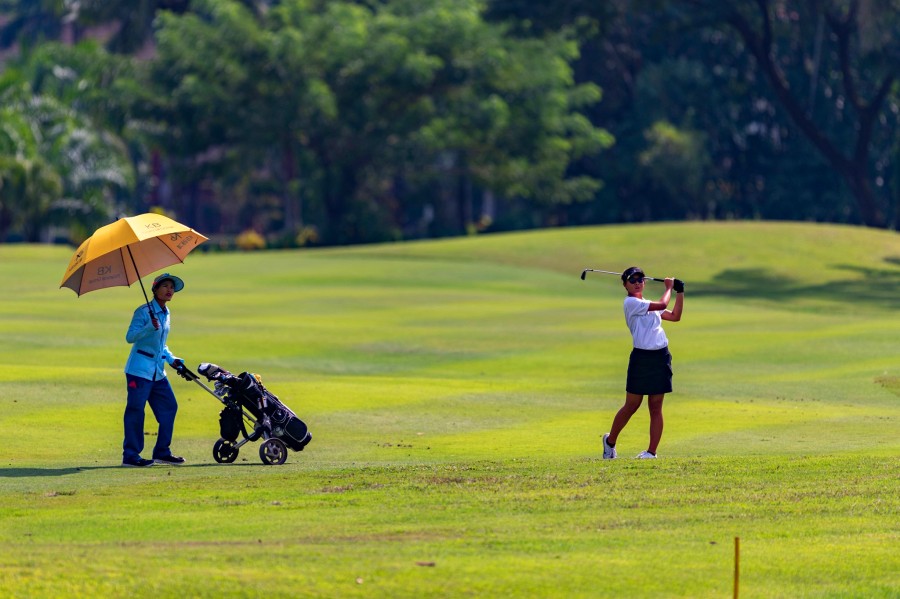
point(186, 373)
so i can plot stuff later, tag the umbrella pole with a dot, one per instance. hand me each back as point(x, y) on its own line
point(130, 255)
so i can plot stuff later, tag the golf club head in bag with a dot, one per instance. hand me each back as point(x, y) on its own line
point(211, 371)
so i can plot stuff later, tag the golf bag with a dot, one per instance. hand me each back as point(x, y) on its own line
point(251, 412)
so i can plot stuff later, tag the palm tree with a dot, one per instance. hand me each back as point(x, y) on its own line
point(56, 164)
point(27, 183)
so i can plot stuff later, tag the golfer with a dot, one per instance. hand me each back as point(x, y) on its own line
point(145, 375)
point(650, 365)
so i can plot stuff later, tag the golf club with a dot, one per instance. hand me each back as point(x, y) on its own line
point(608, 272)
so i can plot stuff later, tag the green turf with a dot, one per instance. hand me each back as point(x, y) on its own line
point(456, 391)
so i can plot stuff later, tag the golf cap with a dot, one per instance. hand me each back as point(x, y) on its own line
point(631, 271)
point(179, 284)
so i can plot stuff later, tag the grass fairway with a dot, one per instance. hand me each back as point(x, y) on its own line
point(456, 391)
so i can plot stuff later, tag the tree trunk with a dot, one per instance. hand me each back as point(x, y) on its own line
point(465, 209)
point(293, 219)
point(340, 184)
point(854, 169)
point(858, 181)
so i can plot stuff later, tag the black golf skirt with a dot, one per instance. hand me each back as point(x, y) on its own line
point(649, 371)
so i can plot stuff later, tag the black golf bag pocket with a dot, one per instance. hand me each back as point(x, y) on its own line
point(289, 428)
point(299, 434)
point(231, 423)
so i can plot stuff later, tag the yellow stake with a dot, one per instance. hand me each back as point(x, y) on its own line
point(737, 565)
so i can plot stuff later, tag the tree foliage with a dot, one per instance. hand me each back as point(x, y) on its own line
point(832, 67)
point(352, 114)
point(314, 121)
point(59, 164)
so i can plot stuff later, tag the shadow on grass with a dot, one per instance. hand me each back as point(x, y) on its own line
point(36, 472)
point(870, 285)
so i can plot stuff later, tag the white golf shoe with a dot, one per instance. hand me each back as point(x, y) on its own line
point(645, 455)
point(609, 452)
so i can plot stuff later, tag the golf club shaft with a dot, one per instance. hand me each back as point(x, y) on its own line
point(193, 377)
point(609, 272)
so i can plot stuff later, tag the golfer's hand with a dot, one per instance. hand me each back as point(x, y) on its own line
point(678, 286)
point(153, 319)
point(178, 365)
point(669, 282)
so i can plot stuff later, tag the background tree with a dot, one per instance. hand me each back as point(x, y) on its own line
point(358, 109)
point(61, 165)
point(28, 186)
point(832, 67)
point(34, 21)
point(686, 64)
point(353, 121)
point(132, 20)
point(675, 162)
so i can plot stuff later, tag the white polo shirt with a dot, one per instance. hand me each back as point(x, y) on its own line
point(645, 326)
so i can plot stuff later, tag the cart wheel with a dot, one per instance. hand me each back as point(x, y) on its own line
point(224, 452)
point(273, 452)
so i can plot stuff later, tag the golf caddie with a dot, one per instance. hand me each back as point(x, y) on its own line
point(146, 379)
point(650, 363)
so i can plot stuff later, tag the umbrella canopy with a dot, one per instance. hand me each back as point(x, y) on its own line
point(121, 253)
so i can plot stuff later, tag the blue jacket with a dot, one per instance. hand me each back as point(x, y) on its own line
point(148, 349)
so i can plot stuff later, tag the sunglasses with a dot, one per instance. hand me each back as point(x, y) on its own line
point(635, 280)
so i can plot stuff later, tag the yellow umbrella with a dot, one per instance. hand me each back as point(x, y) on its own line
point(121, 253)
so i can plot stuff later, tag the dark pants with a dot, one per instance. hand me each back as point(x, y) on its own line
point(162, 401)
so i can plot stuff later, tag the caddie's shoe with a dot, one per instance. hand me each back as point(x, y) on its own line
point(137, 463)
point(609, 452)
point(172, 460)
point(646, 455)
